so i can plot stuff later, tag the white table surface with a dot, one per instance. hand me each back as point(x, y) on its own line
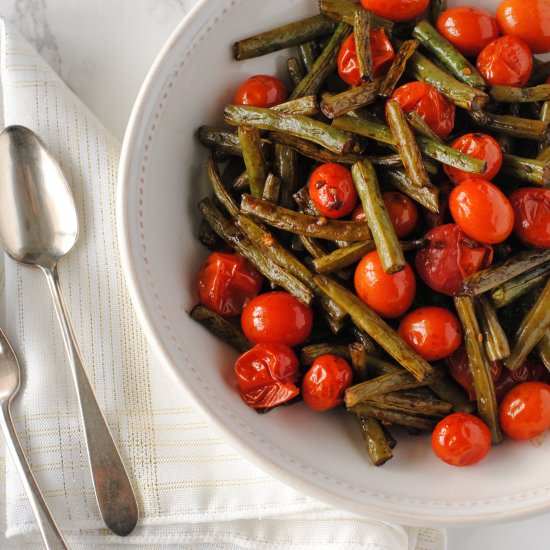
point(102, 49)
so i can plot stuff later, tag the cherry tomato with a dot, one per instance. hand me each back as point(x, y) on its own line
point(276, 318)
point(427, 102)
point(482, 211)
point(332, 190)
point(506, 61)
point(261, 90)
point(532, 211)
point(449, 258)
point(403, 213)
point(433, 332)
point(529, 370)
point(325, 382)
point(227, 282)
point(479, 146)
point(525, 411)
point(468, 29)
point(459, 369)
point(461, 439)
point(382, 56)
point(396, 10)
point(390, 295)
point(528, 20)
point(266, 375)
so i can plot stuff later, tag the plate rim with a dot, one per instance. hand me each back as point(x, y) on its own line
point(131, 137)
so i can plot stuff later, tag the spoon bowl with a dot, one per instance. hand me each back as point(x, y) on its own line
point(38, 221)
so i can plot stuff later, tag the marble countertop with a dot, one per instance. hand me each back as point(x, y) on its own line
point(103, 49)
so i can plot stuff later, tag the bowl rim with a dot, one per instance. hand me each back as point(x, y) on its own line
point(124, 182)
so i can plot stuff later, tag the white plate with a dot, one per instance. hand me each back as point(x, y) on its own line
point(161, 181)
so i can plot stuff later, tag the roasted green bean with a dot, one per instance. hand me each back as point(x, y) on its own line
point(510, 94)
point(285, 167)
point(302, 224)
point(363, 316)
point(308, 354)
point(543, 348)
point(253, 157)
point(222, 140)
point(220, 192)
point(531, 330)
point(496, 275)
point(296, 125)
point(530, 170)
point(495, 340)
point(448, 55)
point(286, 36)
point(526, 128)
point(397, 67)
point(309, 51)
point(349, 100)
point(401, 401)
point(362, 25)
point(513, 289)
point(479, 367)
point(421, 127)
point(394, 417)
point(376, 442)
point(324, 64)
point(221, 328)
point(306, 106)
point(272, 188)
point(406, 145)
point(344, 10)
point(295, 71)
point(437, 7)
point(378, 219)
point(428, 197)
point(358, 360)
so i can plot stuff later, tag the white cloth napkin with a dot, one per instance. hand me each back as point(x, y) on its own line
point(194, 490)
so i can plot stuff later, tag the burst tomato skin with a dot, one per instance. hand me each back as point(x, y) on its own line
point(403, 213)
point(433, 332)
point(482, 211)
point(276, 318)
point(468, 29)
point(390, 295)
point(396, 10)
point(532, 215)
point(325, 382)
point(449, 258)
point(528, 20)
point(529, 371)
point(479, 146)
point(227, 282)
point(525, 411)
point(461, 439)
point(428, 103)
point(382, 56)
point(459, 369)
point(506, 61)
point(266, 375)
point(332, 190)
point(261, 90)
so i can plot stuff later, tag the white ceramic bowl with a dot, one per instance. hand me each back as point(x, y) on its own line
point(161, 181)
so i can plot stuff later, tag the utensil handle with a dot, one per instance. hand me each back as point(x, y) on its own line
point(113, 490)
point(53, 539)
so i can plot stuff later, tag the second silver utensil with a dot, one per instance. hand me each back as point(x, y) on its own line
point(38, 226)
point(10, 381)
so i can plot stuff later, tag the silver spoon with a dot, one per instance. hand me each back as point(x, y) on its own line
point(10, 382)
point(38, 226)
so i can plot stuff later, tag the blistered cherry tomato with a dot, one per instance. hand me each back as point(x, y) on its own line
point(403, 213)
point(396, 10)
point(528, 20)
point(276, 318)
point(332, 190)
point(434, 332)
point(390, 295)
point(482, 211)
point(506, 61)
point(525, 410)
point(479, 146)
point(266, 375)
point(227, 282)
point(325, 382)
point(382, 56)
point(449, 258)
point(532, 211)
point(459, 369)
point(428, 103)
point(468, 29)
point(261, 91)
point(461, 439)
point(529, 370)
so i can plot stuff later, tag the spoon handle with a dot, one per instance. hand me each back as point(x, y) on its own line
point(113, 490)
point(53, 539)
